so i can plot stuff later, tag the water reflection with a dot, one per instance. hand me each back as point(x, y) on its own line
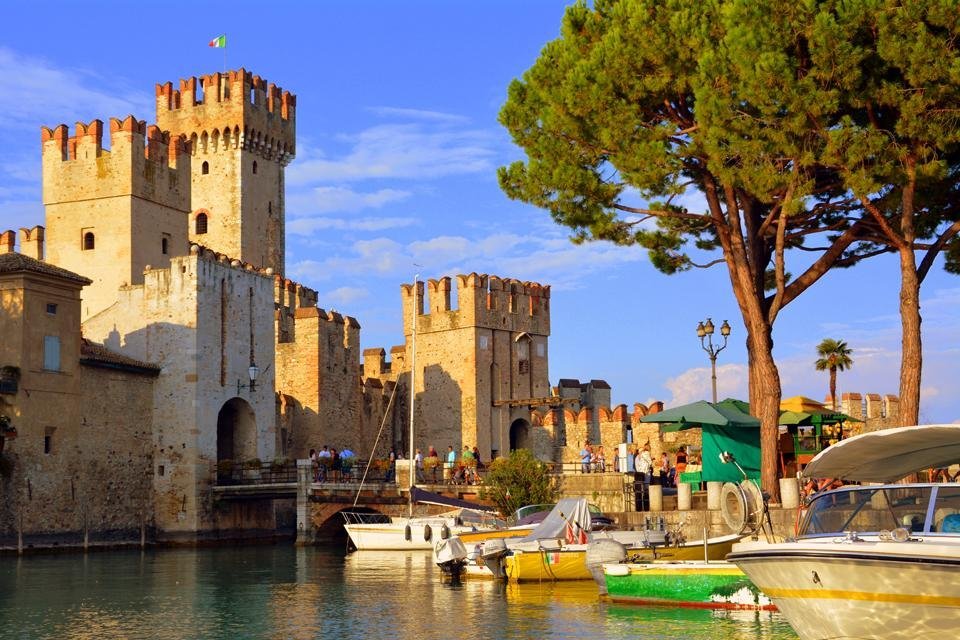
point(285, 592)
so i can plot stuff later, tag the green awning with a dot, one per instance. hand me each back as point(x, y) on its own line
point(727, 426)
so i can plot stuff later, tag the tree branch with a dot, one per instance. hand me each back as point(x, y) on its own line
point(932, 252)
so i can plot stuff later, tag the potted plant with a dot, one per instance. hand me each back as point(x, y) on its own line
point(251, 469)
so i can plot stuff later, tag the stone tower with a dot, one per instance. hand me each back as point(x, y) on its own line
point(479, 365)
point(242, 134)
point(112, 212)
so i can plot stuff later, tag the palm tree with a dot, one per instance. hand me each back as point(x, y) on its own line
point(834, 356)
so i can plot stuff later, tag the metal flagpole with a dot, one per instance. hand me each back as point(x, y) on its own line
point(413, 391)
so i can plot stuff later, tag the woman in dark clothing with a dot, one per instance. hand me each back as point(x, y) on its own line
point(476, 455)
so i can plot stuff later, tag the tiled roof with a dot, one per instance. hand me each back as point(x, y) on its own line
point(97, 355)
point(19, 263)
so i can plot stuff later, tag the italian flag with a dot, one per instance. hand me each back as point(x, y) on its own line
point(220, 42)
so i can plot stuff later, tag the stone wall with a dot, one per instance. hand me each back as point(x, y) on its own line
point(202, 321)
point(81, 465)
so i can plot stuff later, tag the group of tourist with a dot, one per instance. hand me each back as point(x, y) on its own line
point(592, 460)
point(328, 463)
point(669, 475)
point(460, 469)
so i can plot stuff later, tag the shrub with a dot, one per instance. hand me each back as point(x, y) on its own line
point(519, 480)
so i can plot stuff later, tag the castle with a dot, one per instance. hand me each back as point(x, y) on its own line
point(151, 337)
point(159, 339)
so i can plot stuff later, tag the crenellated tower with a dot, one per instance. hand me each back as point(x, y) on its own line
point(481, 363)
point(242, 133)
point(112, 212)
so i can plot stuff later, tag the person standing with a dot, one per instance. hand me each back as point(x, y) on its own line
point(418, 465)
point(644, 463)
point(601, 465)
point(586, 454)
point(476, 456)
point(450, 463)
point(681, 463)
point(391, 466)
point(665, 469)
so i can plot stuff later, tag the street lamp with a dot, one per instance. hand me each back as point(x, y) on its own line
point(253, 371)
point(705, 333)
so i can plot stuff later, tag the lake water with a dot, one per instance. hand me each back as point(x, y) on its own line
point(287, 592)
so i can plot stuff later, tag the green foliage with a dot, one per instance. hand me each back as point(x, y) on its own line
point(518, 480)
point(768, 109)
point(834, 355)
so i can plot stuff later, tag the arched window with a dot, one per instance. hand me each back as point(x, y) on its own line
point(164, 245)
point(201, 224)
point(254, 166)
point(205, 168)
point(89, 242)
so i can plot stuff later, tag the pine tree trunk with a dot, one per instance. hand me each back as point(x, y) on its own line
point(911, 362)
point(765, 395)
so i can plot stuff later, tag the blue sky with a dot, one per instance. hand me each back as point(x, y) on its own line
point(397, 151)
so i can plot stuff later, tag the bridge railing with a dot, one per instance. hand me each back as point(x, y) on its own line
point(251, 473)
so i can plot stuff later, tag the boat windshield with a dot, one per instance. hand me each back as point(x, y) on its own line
point(879, 508)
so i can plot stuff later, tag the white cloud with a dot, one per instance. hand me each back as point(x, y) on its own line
point(417, 151)
point(417, 114)
point(695, 384)
point(309, 226)
point(40, 93)
point(530, 257)
point(344, 295)
point(338, 198)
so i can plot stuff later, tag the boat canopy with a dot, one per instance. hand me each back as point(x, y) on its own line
point(425, 497)
point(569, 512)
point(889, 454)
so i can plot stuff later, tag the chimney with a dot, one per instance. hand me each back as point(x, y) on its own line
point(31, 242)
point(7, 240)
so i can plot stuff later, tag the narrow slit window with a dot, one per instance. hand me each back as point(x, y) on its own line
point(89, 241)
point(165, 245)
point(205, 168)
point(254, 166)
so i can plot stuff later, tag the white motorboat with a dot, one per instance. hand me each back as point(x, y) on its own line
point(871, 561)
point(375, 531)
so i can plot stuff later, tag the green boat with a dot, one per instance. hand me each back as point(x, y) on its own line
point(700, 585)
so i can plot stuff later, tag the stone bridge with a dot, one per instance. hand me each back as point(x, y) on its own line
point(319, 504)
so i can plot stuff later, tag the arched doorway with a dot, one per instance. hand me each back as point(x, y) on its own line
point(519, 434)
point(236, 431)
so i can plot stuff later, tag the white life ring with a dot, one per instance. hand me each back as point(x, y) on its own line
point(741, 506)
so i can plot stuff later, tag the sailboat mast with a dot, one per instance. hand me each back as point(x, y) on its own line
point(413, 390)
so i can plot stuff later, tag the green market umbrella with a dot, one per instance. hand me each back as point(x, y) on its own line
point(727, 426)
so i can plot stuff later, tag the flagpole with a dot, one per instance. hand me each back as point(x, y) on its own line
point(224, 53)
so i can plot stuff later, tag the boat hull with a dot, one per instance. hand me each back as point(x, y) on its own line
point(569, 563)
point(859, 589)
point(392, 536)
point(700, 585)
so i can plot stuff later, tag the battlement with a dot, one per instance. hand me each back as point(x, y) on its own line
point(142, 161)
point(483, 300)
point(236, 108)
point(205, 253)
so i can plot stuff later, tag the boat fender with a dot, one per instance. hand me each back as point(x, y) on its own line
point(427, 533)
point(444, 531)
point(407, 533)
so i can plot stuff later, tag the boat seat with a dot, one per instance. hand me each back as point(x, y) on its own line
point(951, 524)
point(913, 522)
point(939, 515)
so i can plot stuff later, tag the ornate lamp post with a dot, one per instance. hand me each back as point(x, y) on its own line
point(705, 333)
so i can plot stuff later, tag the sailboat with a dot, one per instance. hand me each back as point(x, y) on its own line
point(375, 531)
